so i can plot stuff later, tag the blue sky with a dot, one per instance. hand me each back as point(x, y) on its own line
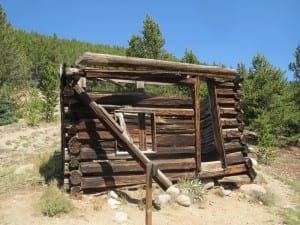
point(221, 31)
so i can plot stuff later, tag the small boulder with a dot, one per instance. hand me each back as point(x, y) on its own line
point(121, 217)
point(253, 161)
point(162, 199)
point(23, 168)
point(208, 185)
point(113, 203)
point(184, 200)
point(113, 195)
point(250, 189)
point(174, 191)
point(226, 192)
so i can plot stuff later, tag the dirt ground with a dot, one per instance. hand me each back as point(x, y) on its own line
point(20, 206)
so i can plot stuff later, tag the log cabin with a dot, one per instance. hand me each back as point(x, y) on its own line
point(119, 113)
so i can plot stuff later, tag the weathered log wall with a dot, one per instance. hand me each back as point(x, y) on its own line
point(163, 128)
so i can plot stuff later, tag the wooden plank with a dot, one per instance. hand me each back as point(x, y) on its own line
point(216, 121)
point(92, 59)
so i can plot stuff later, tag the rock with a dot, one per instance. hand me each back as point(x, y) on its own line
point(184, 200)
point(226, 192)
point(253, 161)
point(173, 190)
point(237, 180)
point(113, 203)
point(251, 189)
point(22, 169)
point(113, 195)
point(209, 185)
point(162, 199)
point(121, 217)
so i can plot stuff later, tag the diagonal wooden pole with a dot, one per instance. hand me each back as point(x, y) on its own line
point(117, 132)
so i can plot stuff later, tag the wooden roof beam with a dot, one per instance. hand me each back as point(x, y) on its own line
point(95, 59)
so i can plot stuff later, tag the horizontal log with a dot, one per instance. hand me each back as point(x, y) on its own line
point(165, 102)
point(94, 59)
point(73, 163)
point(231, 123)
point(128, 98)
point(235, 158)
point(230, 170)
point(138, 75)
point(95, 135)
point(174, 150)
point(74, 145)
point(234, 146)
point(140, 100)
point(209, 170)
point(175, 140)
point(118, 167)
point(228, 85)
point(160, 111)
point(101, 182)
point(231, 133)
point(75, 177)
point(84, 125)
point(88, 153)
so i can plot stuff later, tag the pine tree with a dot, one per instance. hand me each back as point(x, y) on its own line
point(190, 57)
point(267, 98)
point(14, 65)
point(49, 88)
point(6, 112)
point(150, 44)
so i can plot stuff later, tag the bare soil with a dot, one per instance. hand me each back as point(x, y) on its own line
point(20, 206)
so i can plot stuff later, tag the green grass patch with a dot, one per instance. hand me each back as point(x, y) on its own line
point(267, 198)
point(54, 202)
point(8, 142)
point(291, 217)
point(192, 188)
point(42, 168)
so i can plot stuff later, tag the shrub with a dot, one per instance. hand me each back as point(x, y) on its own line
point(266, 154)
point(53, 201)
point(33, 107)
point(7, 115)
point(192, 188)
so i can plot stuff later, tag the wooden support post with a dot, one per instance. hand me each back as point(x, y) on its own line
point(196, 98)
point(216, 121)
point(151, 170)
point(153, 131)
point(116, 130)
point(142, 131)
